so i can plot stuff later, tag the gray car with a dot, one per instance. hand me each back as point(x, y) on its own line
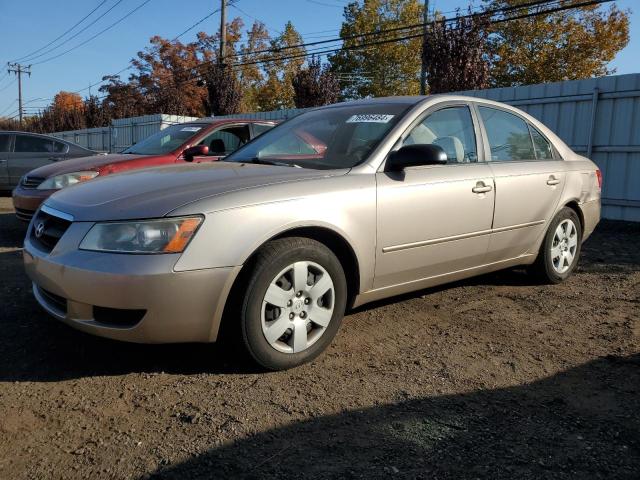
point(21, 152)
point(340, 206)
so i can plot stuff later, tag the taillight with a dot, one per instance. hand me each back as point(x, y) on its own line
point(599, 177)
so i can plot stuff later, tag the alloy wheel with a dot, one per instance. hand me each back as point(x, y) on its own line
point(564, 246)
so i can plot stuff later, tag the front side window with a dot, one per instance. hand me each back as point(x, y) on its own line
point(509, 136)
point(28, 144)
point(452, 130)
point(226, 140)
point(166, 140)
point(332, 137)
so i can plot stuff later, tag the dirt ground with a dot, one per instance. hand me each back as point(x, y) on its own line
point(495, 377)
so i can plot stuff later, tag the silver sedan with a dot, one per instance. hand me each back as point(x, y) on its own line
point(340, 206)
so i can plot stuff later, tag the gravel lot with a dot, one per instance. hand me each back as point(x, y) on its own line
point(494, 377)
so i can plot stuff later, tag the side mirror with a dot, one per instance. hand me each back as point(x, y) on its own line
point(415, 155)
point(195, 151)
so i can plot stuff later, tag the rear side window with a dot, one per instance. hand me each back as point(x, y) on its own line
point(509, 136)
point(541, 145)
point(260, 128)
point(5, 143)
point(27, 144)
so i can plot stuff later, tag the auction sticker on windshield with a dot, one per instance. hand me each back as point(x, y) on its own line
point(191, 129)
point(370, 118)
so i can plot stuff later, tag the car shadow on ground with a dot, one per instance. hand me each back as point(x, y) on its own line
point(581, 423)
point(35, 347)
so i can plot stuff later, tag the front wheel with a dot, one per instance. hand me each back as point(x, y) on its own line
point(294, 303)
point(560, 249)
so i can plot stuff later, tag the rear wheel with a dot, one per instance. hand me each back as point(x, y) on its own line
point(560, 249)
point(294, 303)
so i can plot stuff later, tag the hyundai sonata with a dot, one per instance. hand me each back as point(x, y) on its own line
point(335, 208)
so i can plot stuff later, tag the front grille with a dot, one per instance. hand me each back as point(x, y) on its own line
point(54, 301)
point(47, 230)
point(24, 215)
point(117, 317)
point(32, 182)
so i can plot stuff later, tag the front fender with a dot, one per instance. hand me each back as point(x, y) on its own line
point(229, 237)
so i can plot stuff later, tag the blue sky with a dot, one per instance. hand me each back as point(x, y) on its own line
point(30, 24)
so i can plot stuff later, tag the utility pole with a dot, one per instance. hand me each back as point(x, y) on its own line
point(223, 30)
point(423, 70)
point(19, 70)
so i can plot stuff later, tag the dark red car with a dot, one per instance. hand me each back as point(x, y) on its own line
point(203, 140)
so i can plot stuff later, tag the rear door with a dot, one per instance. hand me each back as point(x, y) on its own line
point(29, 152)
point(529, 178)
point(5, 147)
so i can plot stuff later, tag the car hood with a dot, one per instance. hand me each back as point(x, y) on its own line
point(81, 163)
point(157, 191)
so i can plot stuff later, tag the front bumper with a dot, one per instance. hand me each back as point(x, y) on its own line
point(73, 285)
point(27, 200)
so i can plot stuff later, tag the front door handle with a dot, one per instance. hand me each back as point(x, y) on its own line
point(481, 188)
point(553, 181)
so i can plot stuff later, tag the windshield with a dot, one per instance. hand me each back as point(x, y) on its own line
point(166, 140)
point(335, 137)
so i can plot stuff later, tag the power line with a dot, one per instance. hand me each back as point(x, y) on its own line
point(400, 28)
point(196, 24)
point(75, 34)
point(561, 7)
point(317, 2)
point(8, 107)
point(128, 14)
point(320, 52)
point(63, 34)
point(9, 84)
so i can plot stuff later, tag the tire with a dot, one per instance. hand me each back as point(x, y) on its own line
point(560, 251)
point(272, 304)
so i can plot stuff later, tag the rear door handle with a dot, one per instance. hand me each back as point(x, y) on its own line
point(553, 181)
point(481, 188)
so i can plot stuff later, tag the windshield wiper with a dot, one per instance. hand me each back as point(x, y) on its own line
point(263, 161)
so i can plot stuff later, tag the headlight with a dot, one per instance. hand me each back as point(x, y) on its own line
point(164, 235)
point(66, 179)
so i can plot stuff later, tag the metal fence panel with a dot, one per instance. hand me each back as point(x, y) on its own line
point(124, 132)
point(596, 117)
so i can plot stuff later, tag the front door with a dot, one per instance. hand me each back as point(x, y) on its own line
point(434, 220)
point(529, 179)
point(30, 152)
